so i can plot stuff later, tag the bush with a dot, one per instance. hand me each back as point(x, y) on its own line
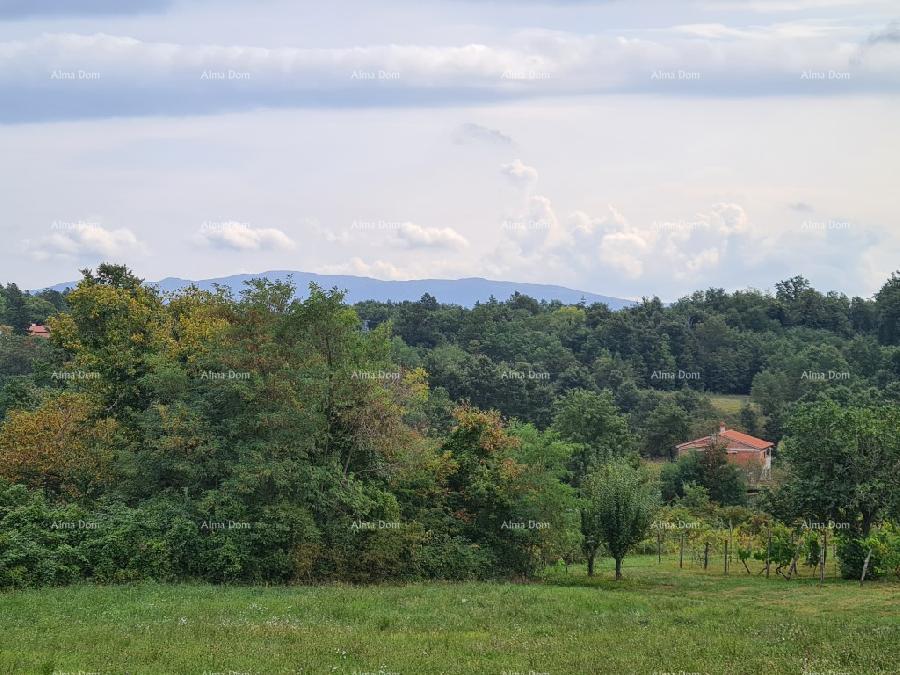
point(36, 546)
point(852, 552)
point(455, 558)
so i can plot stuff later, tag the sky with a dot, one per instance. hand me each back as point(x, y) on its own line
point(629, 149)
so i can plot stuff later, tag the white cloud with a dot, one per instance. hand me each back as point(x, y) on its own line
point(625, 252)
point(390, 271)
point(78, 240)
point(590, 245)
point(242, 237)
point(417, 236)
point(379, 269)
point(519, 174)
point(730, 218)
point(534, 226)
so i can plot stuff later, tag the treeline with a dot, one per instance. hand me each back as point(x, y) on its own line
point(19, 309)
point(263, 438)
point(258, 438)
point(520, 355)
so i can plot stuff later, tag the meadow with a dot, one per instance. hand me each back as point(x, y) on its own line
point(659, 619)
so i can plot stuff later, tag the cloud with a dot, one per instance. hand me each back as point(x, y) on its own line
point(890, 35)
point(521, 175)
point(730, 218)
point(415, 269)
point(402, 233)
point(585, 246)
point(103, 75)
point(78, 240)
point(801, 207)
point(475, 133)
point(416, 236)
point(242, 237)
point(378, 269)
point(533, 226)
point(779, 5)
point(625, 252)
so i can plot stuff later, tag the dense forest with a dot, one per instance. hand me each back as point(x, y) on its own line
point(520, 356)
point(269, 438)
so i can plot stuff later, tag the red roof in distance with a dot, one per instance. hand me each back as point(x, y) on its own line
point(38, 330)
point(735, 440)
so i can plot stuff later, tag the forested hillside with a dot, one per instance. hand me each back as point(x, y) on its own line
point(265, 438)
point(519, 356)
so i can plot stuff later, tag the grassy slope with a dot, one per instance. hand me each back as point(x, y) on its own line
point(728, 404)
point(659, 619)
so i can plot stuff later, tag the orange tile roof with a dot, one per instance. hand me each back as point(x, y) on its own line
point(746, 439)
point(734, 438)
point(37, 329)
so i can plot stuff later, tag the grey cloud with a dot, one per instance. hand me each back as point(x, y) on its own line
point(475, 133)
point(802, 207)
point(890, 34)
point(70, 76)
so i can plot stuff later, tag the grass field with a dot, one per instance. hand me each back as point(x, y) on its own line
point(658, 620)
point(728, 404)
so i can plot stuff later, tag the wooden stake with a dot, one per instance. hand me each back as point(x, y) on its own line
point(768, 554)
point(796, 546)
point(681, 553)
point(822, 563)
point(865, 567)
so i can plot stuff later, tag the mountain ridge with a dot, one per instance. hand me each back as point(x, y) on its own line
point(465, 291)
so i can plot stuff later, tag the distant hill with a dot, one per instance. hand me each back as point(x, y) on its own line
point(465, 292)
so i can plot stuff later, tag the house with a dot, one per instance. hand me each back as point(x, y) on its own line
point(748, 452)
point(37, 330)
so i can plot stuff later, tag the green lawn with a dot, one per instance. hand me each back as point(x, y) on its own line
point(660, 619)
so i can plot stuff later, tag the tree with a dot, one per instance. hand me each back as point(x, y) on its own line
point(844, 462)
point(16, 314)
point(749, 419)
point(710, 468)
point(619, 504)
point(887, 311)
point(484, 486)
point(62, 446)
point(545, 502)
point(114, 326)
point(666, 426)
point(594, 422)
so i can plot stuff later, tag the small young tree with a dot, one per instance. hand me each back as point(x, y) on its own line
point(590, 542)
point(619, 504)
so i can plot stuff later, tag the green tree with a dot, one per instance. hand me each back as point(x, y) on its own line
point(483, 486)
point(593, 422)
point(887, 311)
point(843, 462)
point(16, 311)
point(723, 481)
point(750, 419)
point(619, 504)
point(666, 426)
